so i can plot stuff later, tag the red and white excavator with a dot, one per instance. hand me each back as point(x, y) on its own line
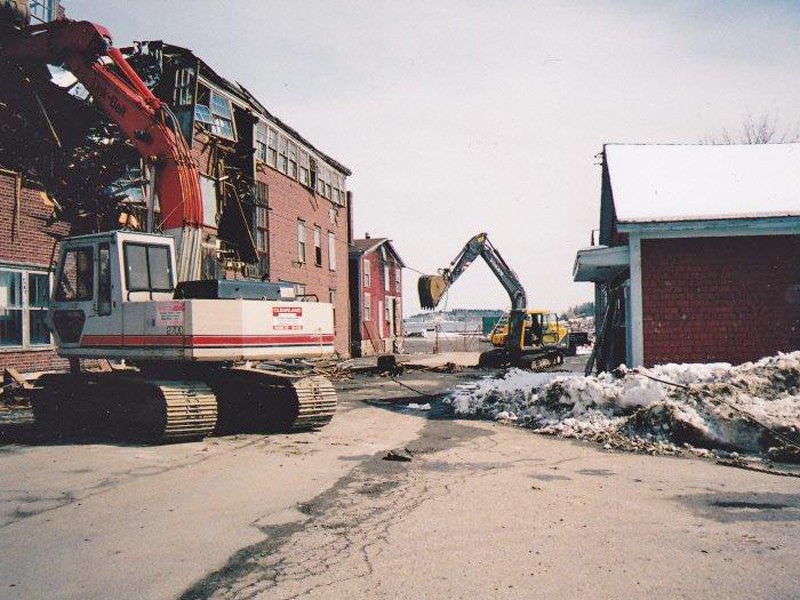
point(192, 346)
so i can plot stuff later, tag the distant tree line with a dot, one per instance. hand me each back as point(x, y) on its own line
point(579, 310)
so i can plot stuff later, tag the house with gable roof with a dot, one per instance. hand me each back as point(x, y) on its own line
point(376, 297)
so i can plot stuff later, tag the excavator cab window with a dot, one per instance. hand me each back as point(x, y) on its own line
point(76, 281)
point(103, 280)
point(148, 268)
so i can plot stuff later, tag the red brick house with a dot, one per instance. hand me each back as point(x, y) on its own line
point(376, 297)
point(699, 255)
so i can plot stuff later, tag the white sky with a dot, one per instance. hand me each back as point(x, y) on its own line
point(464, 116)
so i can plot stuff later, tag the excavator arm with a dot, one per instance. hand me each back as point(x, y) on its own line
point(86, 50)
point(431, 288)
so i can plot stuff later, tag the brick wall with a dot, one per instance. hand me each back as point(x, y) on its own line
point(289, 201)
point(27, 237)
point(720, 299)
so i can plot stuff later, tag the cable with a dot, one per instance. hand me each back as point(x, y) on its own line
point(745, 414)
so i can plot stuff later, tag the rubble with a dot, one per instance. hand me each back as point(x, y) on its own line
point(702, 409)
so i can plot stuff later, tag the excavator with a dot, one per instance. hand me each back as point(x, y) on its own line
point(194, 350)
point(532, 341)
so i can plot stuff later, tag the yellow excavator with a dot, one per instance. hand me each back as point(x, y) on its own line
point(533, 339)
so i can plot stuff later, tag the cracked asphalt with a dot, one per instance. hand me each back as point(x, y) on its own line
point(480, 511)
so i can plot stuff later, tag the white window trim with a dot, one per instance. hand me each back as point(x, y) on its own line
point(26, 345)
point(367, 277)
point(367, 306)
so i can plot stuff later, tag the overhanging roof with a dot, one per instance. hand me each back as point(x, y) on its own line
point(655, 183)
point(600, 263)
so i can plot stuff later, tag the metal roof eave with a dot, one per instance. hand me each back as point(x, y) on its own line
point(600, 263)
point(749, 225)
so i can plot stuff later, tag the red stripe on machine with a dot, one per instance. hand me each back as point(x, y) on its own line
point(205, 340)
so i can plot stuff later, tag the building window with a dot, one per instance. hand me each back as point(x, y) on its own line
point(262, 141)
point(43, 10)
point(305, 168)
point(261, 224)
point(292, 160)
point(317, 246)
point(222, 111)
point(386, 275)
point(11, 308)
point(215, 112)
point(184, 87)
point(331, 251)
point(367, 306)
point(366, 273)
point(283, 155)
point(272, 151)
point(23, 307)
point(397, 277)
point(332, 300)
point(262, 229)
point(301, 241)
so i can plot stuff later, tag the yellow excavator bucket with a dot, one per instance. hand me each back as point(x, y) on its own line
point(431, 289)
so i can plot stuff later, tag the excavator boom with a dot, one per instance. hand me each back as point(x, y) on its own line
point(86, 50)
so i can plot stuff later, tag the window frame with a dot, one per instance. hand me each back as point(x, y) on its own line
point(367, 306)
point(301, 241)
point(48, 8)
point(26, 309)
point(150, 288)
point(367, 276)
point(317, 245)
point(331, 251)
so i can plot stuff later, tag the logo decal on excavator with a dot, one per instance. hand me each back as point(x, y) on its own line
point(287, 318)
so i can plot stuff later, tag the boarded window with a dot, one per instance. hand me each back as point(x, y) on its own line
point(301, 241)
point(331, 251)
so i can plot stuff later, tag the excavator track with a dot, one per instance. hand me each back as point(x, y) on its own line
point(190, 410)
point(159, 410)
point(124, 406)
point(316, 402)
point(534, 360)
point(263, 401)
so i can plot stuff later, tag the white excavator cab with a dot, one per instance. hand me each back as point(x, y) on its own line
point(99, 273)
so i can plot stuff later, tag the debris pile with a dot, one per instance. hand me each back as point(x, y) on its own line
point(753, 408)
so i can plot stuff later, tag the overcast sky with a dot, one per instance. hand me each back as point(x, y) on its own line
point(462, 117)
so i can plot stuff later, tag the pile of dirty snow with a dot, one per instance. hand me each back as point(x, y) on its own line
point(665, 409)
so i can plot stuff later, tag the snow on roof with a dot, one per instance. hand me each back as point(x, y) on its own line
point(687, 182)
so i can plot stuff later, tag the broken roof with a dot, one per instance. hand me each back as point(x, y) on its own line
point(238, 90)
point(651, 183)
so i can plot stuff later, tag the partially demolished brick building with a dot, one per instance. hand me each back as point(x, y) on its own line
point(276, 207)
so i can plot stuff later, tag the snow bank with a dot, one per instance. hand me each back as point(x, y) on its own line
point(663, 409)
